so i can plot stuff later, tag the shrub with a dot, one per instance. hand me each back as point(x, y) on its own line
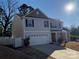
point(26, 41)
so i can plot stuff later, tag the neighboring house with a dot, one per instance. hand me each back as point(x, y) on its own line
point(40, 28)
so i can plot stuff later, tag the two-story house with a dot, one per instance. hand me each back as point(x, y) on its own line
point(40, 28)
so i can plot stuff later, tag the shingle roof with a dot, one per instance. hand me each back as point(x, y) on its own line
point(37, 14)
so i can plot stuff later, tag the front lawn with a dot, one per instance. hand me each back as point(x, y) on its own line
point(75, 36)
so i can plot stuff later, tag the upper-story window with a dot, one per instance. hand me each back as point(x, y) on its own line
point(46, 23)
point(60, 25)
point(29, 23)
point(53, 25)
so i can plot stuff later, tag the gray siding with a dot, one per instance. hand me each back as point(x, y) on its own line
point(38, 25)
point(17, 27)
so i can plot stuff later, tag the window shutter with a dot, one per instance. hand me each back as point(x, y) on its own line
point(32, 22)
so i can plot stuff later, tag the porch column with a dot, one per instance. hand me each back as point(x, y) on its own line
point(66, 36)
point(56, 36)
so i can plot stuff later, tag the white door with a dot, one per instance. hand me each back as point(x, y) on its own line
point(39, 40)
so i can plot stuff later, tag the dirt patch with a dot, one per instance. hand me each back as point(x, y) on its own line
point(8, 53)
point(21, 53)
point(73, 45)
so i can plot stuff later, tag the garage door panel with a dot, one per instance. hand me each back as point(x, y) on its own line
point(39, 40)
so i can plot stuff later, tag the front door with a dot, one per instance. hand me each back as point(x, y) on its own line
point(53, 37)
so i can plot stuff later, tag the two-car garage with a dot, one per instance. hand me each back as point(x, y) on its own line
point(39, 38)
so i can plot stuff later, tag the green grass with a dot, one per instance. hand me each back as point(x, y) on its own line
point(76, 36)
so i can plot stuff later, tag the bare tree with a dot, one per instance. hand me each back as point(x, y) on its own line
point(7, 11)
point(75, 30)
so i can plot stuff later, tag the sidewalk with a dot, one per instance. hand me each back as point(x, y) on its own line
point(65, 54)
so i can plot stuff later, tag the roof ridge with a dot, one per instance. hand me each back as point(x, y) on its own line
point(34, 14)
point(30, 12)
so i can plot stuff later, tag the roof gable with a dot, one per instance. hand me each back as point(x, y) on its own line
point(37, 14)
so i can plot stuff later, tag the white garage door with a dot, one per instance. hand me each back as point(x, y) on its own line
point(39, 40)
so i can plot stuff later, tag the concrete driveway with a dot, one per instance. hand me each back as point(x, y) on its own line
point(47, 48)
point(57, 51)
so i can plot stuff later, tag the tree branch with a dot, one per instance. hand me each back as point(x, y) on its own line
point(2, 23)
